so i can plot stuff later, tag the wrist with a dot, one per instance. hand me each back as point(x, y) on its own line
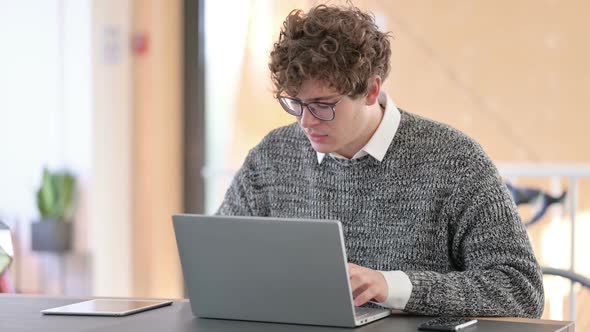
point(383, 288)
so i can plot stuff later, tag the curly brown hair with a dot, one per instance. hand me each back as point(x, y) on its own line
point(340, 46)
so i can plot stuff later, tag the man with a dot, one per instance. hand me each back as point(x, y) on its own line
point(428, 224)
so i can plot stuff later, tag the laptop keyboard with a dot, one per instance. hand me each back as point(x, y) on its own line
point(360, 313)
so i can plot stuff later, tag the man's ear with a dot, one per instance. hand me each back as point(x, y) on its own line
point(373, 90)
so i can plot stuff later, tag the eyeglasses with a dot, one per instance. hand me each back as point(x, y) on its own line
point(322, 111)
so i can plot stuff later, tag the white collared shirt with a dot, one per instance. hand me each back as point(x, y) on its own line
point(398, 283)
point(378, 143)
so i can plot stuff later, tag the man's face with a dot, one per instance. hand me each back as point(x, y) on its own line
point(342, 135)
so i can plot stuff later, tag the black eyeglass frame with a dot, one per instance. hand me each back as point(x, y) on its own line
point(302, 105)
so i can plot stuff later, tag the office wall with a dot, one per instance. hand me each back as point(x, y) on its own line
point(138, 185)
point(78, 93)
point(45, 121)
point(511, 75)
point(137, 142)
point(157, 146)
point(111, 231)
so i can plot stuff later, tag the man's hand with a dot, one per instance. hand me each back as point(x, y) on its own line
point(366, 285)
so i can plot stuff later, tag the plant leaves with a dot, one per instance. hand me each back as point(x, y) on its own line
point(55, 197)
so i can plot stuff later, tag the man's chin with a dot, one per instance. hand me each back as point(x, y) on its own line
point(322, 148)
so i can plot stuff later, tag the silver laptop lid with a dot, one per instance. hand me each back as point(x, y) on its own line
point(265, 269)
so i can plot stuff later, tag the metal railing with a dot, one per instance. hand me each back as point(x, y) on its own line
point(573, 173)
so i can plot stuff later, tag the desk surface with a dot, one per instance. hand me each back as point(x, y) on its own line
point(22, 313)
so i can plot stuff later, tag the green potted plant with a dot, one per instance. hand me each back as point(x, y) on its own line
point(55, 201)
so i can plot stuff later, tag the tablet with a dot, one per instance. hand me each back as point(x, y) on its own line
point(106, 307)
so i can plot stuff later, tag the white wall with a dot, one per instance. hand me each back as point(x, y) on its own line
point(111, 202)
point(45, 111)
point(65, 102)
point(30, 95)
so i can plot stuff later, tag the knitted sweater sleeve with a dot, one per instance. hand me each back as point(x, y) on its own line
point(238, 200)
point(497, 273)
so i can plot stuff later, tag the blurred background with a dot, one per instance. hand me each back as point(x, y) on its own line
point(139, 109)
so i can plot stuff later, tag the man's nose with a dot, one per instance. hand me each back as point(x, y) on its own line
point(308, 119)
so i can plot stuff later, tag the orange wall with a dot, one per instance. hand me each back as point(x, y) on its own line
point(514, 76)
point(157, 142)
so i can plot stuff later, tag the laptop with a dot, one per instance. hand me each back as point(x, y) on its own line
point(268, 269)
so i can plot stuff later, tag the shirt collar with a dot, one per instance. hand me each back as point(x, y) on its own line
point(379, 143)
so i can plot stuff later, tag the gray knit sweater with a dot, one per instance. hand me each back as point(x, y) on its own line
point(435, 208)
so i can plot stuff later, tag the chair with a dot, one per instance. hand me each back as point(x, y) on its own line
point(585, 282)
point(540, 202)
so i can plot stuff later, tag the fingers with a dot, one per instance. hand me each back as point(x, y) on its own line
point(366, 284)
point(358, 280)
point(361, 287)
point(356, 291)
point(365, 296)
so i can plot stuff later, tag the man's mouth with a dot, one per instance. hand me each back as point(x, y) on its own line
point(316, 137)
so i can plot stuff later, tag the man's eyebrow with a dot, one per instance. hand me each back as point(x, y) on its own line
point(322, 98)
